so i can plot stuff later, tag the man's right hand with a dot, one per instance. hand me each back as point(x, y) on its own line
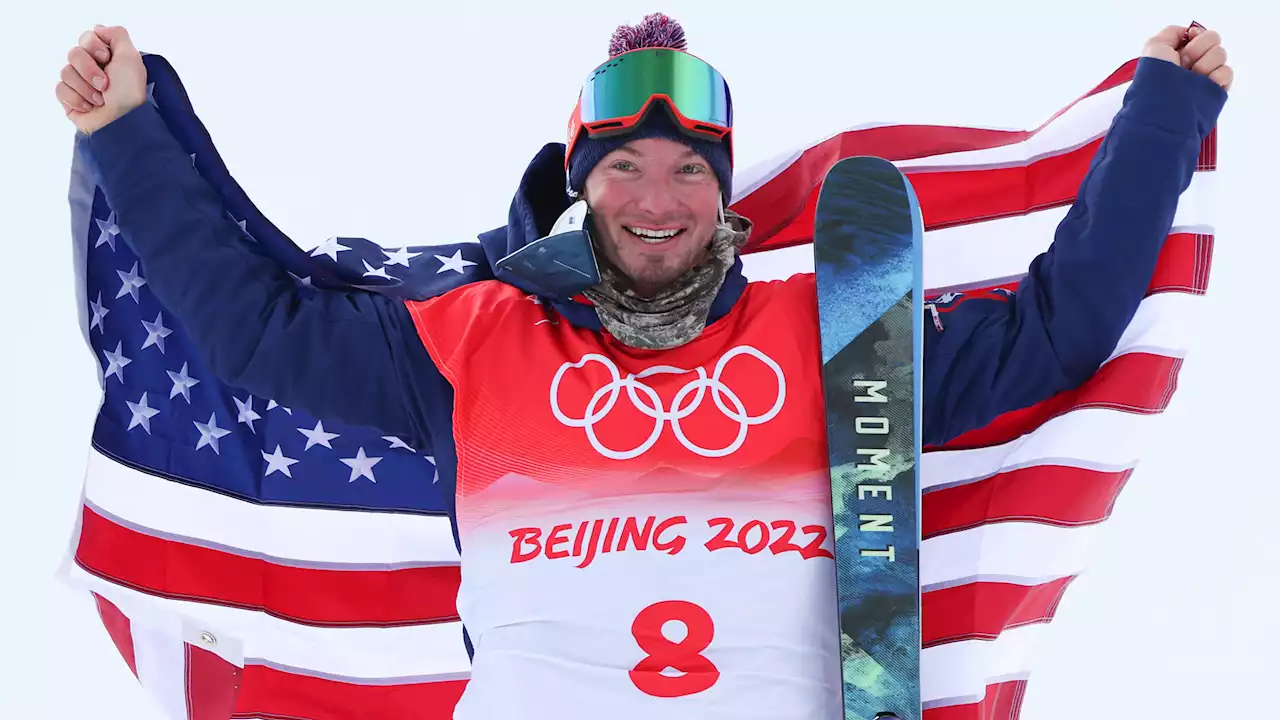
point(104, 78)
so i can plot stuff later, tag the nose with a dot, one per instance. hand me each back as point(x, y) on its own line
point(657, 195)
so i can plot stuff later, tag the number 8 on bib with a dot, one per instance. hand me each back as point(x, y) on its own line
point(698, 673)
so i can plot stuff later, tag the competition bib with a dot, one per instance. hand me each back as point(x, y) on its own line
point(644, 534)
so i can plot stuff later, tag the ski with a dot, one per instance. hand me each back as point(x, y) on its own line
point(867, 260)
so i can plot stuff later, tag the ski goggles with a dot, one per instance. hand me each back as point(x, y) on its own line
point(620, 92)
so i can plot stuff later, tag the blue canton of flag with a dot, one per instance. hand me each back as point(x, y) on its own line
point(164, 412)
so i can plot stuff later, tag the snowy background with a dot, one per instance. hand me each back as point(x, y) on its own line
point(413, 126)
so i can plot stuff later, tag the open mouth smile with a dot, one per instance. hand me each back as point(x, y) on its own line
point(651, 236)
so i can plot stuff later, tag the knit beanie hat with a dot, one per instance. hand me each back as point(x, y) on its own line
point(656, 30)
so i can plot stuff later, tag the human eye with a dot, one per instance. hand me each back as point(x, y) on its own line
point(623, 165)
point(693, 169)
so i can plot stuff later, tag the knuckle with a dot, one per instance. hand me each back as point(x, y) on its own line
point(1209, 39)
point(69, 74)
point(79, 57)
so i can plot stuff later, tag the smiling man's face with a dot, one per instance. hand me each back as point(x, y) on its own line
point(655, 204)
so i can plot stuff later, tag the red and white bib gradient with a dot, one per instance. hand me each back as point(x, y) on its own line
point(644, 534)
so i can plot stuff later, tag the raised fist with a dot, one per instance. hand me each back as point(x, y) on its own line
point(1199, 50)
point(103, 79)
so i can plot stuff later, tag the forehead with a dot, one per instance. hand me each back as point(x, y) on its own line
point(657, 149)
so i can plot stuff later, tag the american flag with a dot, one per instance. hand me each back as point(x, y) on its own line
point(248, 560)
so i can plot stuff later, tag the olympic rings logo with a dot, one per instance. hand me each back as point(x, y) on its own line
point(646, 400)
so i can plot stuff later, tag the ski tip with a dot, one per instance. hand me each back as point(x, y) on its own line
point(863, 169)
point(863, 163)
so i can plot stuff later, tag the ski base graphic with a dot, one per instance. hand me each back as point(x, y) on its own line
point(867, 259)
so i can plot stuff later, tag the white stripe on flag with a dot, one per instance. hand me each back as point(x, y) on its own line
point(417, 651)
point(161, 661)
point(1090, 438)
point(958, 673)
point(1161, 325)
point(1025, 553)
point(179, 511)
point(1080, 125)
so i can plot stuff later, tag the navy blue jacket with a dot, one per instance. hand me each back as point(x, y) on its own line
point(258, 332)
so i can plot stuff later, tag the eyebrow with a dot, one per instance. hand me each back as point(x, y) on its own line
point(632, 151)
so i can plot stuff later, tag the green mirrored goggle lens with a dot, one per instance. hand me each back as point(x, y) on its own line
point(619, 88)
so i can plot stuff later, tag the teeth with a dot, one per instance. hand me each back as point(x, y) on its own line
point(652, 235)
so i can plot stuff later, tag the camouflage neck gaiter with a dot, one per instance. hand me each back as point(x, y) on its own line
point(678, 313)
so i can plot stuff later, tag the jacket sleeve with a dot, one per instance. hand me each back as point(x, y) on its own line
point(1069, 312)
point(352, 357)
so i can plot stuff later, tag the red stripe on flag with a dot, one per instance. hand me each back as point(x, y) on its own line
point(310, 596)
point(1183, 266)
point(120, 630)
point(1058, 495)
point(1003, 701)
point(212, 685)
point(983, 610)
point(271, 693)
point(782, 207)
point(1204, 262)
point(1136, 382)
point(949, 198)
point(1209, 151)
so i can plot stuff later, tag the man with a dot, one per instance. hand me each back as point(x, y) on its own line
point(621, 454)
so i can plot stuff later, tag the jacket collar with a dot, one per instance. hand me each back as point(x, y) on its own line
point(539, 201)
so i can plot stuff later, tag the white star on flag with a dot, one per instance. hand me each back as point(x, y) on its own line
point(142, 414)
point(361, 465)
point(132, 281)
point(210, 433)
point(330, 247)
point(399, 257)
point(272, 405)
point(370, 272)
point(397, 443)
point(247, 414)
point(99, 313)
point(156, 333)
point(243, 227)
point(108, 231)
point(317, 436)
point(454, 262)
point(182, 383)
point(277, 461)
point(116, 362)
point(303, 281)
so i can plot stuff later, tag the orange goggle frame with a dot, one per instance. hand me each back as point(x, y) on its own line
point(619, 94)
